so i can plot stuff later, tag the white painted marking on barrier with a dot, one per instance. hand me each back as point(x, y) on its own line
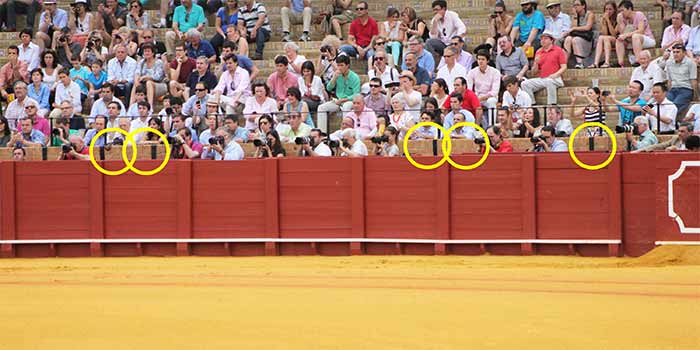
point(671, 210)
point(309, 240)
point(676, 243)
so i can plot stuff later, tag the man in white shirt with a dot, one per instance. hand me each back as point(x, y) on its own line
point(16, 109)
point(411, 98)
point(444, 25)
point(463, 57)
point(661, 111)
point(320, 148)
point(648, 72)
point(381, 70)
point(28, 51)
point(351, 146)
point(562, 127)
point(144, 109)
point(66, 90)
point(120, 73)
point(100, 106)
point(557, 23)
point(451, 69)
point(515, 97)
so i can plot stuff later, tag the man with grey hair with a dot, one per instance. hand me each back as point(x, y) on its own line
point(350, 145)
point(121, 71)
point(196, 46)
point(646, 137)
point(451, 69)
point(185, 17)
point(648, 73)
point(296, 11)
point(675, 143)
point(78, 149)
point(291, 50)
point(425, 59)
point(15, 110)
point(682, 74)
point(224, 147)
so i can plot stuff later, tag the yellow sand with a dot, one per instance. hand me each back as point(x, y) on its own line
point(382, 303)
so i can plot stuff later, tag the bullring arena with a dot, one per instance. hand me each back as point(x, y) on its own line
point(257, 240)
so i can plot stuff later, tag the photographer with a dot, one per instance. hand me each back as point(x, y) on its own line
point(317, 146)
point(94, 50)
point(351, 146)
point(61, 133)
point(629, 107)
point(547, 142)
point(385, 145)
point(65, 47)
point(51, 20)
point(271, 146)
point(224, 147)
point(184, 147)
point(498, 143)
point(74, 149)
point(675, 143)
point(646, 137)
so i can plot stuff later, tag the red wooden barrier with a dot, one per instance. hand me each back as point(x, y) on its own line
point(513, 204)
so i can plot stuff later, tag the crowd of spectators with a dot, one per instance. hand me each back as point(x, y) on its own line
point(100, 65)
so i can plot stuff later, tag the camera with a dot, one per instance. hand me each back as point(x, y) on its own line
point(479, 141)
point(325, 48)
point(169, 111)
point(66, 147)
point(118, 141)
point(302, 140)
point(514, 106)
point(56, 132)
point(216, 140)
point(380, 139)
point(333, 143)
point(174, 140)
point(493, 15)
point(260, 142)
point(90, 45)
point(537, 139)
point(623, 129)
point(346, 144)
point(62, 39)
point(606, 93)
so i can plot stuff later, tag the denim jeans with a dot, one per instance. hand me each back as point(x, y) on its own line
point(681, 98)
point(261, 37)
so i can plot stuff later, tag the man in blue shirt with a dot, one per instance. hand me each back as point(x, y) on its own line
point(527, 26)
point(196, 46)
point(99, 124)
point(693, 46)
point(52, 19)
point(230, 149)
point(29, 137)
point(425, 58)
point(630, 107)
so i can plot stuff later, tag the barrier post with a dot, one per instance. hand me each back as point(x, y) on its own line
point(529, 202)
point(7, 208)
point(96, 208)
point(615, 211)
point(272, 215)
point(183, 169)
point(442, 206)
point(357, 194)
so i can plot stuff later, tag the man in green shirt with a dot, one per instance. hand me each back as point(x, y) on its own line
point(646, 137)
point(346, 85)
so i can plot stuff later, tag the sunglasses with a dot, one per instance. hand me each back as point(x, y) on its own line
point(379, 58)
point(200, 90)
point(447, 56)
point(360, 8)
point(29, 107)
point(147, 36)
point(187, 17)
point(498, 12)
point(379, 43)
point(373, 85)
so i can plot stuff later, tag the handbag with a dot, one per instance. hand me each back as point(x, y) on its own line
point(588, 36)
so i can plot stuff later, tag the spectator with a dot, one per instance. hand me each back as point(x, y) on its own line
point(94, 50)
point(660, 110)
point(110, 16)
point(351, 146)
point(413, 25)
point(462, 131)
point(180, 69)
point(646, 138)
point(188, 149)
point(39, 91)
point(498, 143)
point(10, 8)
point(463, 58)
point(579, 39)
point(693, 143)
point(148, 37)
point(96, 79)
point(445, 25)
point(180, 121)
point(197, 47)
point(66, 90)
point(317, 147)
point(555, 119)
point(693, 46)
point(439, 91)
point(432, 107)
point(297, 128)
point(469, 100)
point(548, 142)
point(682, 74)
point(265, 124)
point(500, 24)
point(426, 132)
point(234, 86)
point(5, 132)
point(141, 121)
point(387, 147)
point(676, 142)
point(648, 73)
point(550, 62)
point(422, 75)
point(410, 97)
point(311, 87)
point(227, 149)
point(675, 34)
point(363, 117)
point(505, 123)
point(100, 105)
point(226, 16)
point(150, 73)
point(19, 154)
point(631, 106)
point(272, 147)
point(99, 124)
point(342, 14)
point(557, 23)
point(291, 51)
point(363, 29)
point(258, 104)
point(608, 34)
point(28, 136)
point(77, 122)
point(527, 27)
point(28, 51)
point(200, 74)
point(345, 123)
point(78, 149)
point(137, 19)
point(456, 107)
point(12, 71)
point(114, 113)
point(120, 73)
point(50, 67)
point(212, 124)
point(17, 108)
point(512, 60)
point(126, 38)
point(400, 119)
point(51, 20)
point(380, 69)
point(243, 60)
point(233, 34)
point(281, 80)
point(60, 132)
point(376, 100)
point(186, 16)
point(253, 17)
point(591, 112)
point(80, 23)
point(195, 106)
point(346, 85)
point(294, 103)
point(514, 97)
point(531, 123)
point(391, 30)
point(451, 69)
point(327, 59)
point(636, 31)
point(296, 11)
point(485, 81)
point(38, 122)
point(694, 116)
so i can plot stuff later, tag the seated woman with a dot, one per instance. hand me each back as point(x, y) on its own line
point(150, 72)
point(580, 38)
point(531, 123)
point(412, 25)
point(137, 19)
point(608, 35)
point(272, 148)
point(226, 16)
point(296, 104)
point(388, 148)
point(391, 30)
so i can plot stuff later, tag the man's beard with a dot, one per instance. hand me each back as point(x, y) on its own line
point(529, 10)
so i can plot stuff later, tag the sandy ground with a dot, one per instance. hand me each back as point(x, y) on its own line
point(483, 302)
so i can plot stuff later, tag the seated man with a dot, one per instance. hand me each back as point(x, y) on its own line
point(28, 51)
point(28, 137)
point(186, 16)
point(661, 111)
point(188, 149)
point(512, 60)
point(16, 109)
point(486, 82)
point(10, 8)
point(346, 84)
point(12, 71)
point(456, 107)
point(297, 128)
point(648, 73)
point(562, 126)
point(445, 25)
point(351, 146)
point(629, 107)
point(225, 148)
point(106, 96)
point(253, 20)
point(557, 22)
point(195, 106)
point(281, 80)
point(514, 97)
point(180, 69)
point(463, 58)
point(39, 123)
point(121, 71)
point(197, 47)
point(52, 19)
point(363, 29)
point(78, 149)
point(364, 118)
point(646, 139)
point(550, 63)
point(528, 25)
point(682, 74)
point(201, 74)
point(548, 142)
point(233, 87)
point(676, 142)
point(296, 11)
point(498, 143)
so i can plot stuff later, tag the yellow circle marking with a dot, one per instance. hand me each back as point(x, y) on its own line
point(612, 139)
point(487, 149)
point(167, 151)
point(129, 162)
point(445, 154)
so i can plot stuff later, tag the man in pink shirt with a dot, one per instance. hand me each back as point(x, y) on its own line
point(641, 37)
point(365, 118)
point(38, 122)
point(14, 70)
point(550, 64)
point(676, 33)
point(485, 81)
point(281, 80)
point(233, 87)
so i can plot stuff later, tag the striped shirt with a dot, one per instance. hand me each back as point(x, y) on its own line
point(251, 15)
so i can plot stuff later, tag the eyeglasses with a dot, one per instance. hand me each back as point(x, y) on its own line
point(374, 85)
point(29, 107)
point(379, 58)
point(360, 8)
point(147, 36)
point(498, 12)
point(379, 43)
point(447, 56)
point(200, 90)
